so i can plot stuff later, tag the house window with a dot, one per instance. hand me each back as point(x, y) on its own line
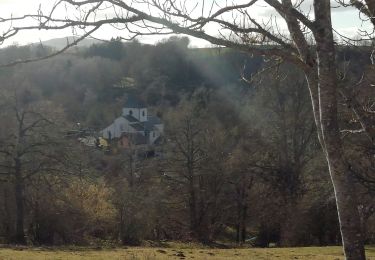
point(153, 134)
point(131, 112)
point(143, 113)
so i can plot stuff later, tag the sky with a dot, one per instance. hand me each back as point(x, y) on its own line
point(345, 21)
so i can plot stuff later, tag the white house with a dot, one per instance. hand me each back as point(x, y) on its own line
point(135, 121)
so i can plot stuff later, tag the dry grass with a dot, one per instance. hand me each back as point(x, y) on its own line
point(311, 253)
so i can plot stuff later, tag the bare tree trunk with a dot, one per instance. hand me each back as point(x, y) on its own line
point(7, 223)
point(242, 194)
point(343, 183)
point(288, 225)
point(347, 208)
point(120, 234)
point(238, 232)
point(239, 223)
point(193, 209)
point(243, 226)
point(19, 190)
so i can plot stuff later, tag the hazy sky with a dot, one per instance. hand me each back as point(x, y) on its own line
point(345, 21)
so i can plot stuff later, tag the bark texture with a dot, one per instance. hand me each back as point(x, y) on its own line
point(343, 182)
point(19, 191)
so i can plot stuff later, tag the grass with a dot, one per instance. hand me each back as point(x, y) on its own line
point(143, 253)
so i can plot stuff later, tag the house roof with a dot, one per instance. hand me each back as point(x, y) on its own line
point(153, 120)
point(130, 118)
point(138, 126)
point(148, 126)
point(134, 102)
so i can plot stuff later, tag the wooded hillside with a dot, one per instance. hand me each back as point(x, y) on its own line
point(240, 159)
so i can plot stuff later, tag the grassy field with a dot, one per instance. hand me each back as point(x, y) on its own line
point(314, 253)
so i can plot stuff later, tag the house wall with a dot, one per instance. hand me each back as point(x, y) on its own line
point(109, 132)
point(122, 125)
point(153, 136)
point(143, 115)
point(160, 128)
point(124, 142)
point(116, 129)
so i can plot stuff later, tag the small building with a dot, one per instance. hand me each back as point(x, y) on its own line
point(135, 126)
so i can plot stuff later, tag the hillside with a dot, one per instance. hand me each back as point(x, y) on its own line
point(59, 43)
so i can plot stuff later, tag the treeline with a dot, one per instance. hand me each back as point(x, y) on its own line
point(240, 164)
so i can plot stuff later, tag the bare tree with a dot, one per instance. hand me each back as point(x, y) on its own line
point(307, 41)
point(184, 165)
point(195, 167)
point(283, 113)
point(27, 149)
point(365, 7)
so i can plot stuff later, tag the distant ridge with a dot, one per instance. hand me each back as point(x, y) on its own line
point(59, 43)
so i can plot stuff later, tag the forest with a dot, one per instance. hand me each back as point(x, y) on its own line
point(240, 164)
point(262, 138)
